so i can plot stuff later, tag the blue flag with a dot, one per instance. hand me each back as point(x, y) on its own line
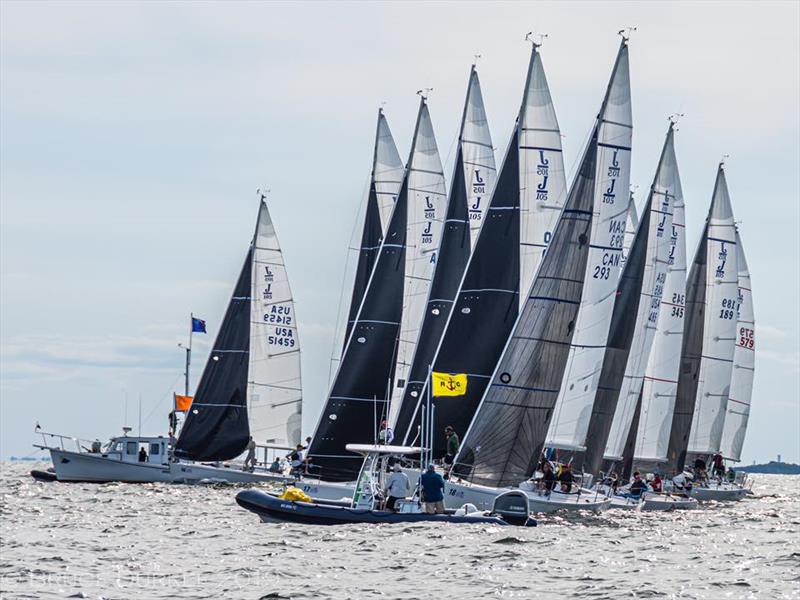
point(198, 326)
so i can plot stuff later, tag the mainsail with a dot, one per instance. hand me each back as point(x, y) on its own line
point(427, 205)
point(708, 331)
point(522, 212)
point(570, 422)
point(661, 373)
point(251, 383)
point(384, 185)
point(358, 395)
point(741, 393)
point(473, 181)
point(638, 296)
point(505, 439)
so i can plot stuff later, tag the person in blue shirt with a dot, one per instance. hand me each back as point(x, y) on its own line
point(432, 491)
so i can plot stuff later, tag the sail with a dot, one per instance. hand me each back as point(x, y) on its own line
point(661, 374)
point(705, 317)
point(251, 382)
point(576, 398)
point(385, 179)
point(274, 387)
point(473, 181)
point(631, 225)
point(658, 240)
point(741, 393)
point(427, 205)
point(530, 182)
point(719, 329)
point(505, 439)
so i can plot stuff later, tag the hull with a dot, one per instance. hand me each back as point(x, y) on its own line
point(718, 491)
point(94, 468)
point(653, 501)
point(275, 510)
point(457, 494)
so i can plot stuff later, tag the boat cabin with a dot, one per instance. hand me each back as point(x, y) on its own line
point(136, 449)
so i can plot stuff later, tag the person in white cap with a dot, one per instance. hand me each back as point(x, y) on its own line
point(397, 487)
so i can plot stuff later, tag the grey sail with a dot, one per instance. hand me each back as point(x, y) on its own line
point(505, 439)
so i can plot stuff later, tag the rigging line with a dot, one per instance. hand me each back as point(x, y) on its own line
point(161, 399)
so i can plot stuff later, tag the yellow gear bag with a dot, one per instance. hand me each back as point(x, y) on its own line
point(294, 494)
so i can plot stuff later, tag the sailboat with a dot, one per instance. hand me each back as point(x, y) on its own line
point(395, 294)
point(250, 386)
point(503, 444)
point(741, 391)
point(473, 180)
point(708, 344)
point(633, 320)
point(524, 206)
point(570, 423)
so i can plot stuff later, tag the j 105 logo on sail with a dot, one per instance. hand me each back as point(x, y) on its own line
point(427, 236)
point(664, 210)
point(268, 292)
point(430, 209)
point(543, 167)
point(723, 258)
point(673, 244)
point(613, 169)
point(475, 210)
point(479, 185)
point(269, 275)
point(610, 195)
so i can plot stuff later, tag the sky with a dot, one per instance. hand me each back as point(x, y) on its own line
point(133, 137)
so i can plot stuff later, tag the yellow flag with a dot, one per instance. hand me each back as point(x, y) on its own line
point(445, 384)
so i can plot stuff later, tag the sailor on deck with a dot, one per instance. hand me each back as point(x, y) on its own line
point(432, 490)
point(250, 460)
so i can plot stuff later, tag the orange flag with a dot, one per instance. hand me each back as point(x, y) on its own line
point(182, 403)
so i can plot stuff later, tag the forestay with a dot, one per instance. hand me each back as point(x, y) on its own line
point(473, 181)
point(661, 374)
point(519, 220)
point(505, 439)
point(663, 192)
point(719, 328)
point(744, 355)
point(611, 197)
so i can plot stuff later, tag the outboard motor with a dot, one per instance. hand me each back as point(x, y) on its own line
point(513, 508)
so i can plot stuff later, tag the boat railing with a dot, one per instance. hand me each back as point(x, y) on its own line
point(64, 442)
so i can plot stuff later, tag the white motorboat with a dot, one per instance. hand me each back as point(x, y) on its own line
point(717, 491)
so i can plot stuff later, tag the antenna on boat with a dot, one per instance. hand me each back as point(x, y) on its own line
point(531, 37)
point(626, 32)
point(722, 160)
point(262, 194)
point(424, 93)
point(475, 58)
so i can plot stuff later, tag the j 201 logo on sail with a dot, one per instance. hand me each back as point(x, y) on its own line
point(430, 209)
point(608, 197)
point(479, 185)
point(543, 167)
point(541, 190)
point(613, 169)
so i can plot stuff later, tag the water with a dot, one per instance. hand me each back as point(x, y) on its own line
point(173, 541)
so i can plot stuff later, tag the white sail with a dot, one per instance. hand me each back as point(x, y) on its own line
point(480, 171)
point(666, 188)
point(387, 170)
point(573, 409)
point(427, 203)
point(542, 180)
point(661, 374)
point(719, 333)
point(631, 224)
point(274, 394)
point(744, 359)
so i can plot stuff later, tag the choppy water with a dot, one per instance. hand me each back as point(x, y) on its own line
point(173, 541)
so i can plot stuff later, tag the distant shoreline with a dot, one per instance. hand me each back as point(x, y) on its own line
point(772, 468)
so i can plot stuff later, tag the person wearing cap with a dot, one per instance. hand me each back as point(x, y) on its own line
point(385, 435)
point(432, 490)
point(396, 487)
point(453, 444)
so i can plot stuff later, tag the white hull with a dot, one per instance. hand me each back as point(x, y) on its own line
point(718, 491)
point(654, 501)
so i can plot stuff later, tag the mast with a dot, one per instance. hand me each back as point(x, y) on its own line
point(522, 212)
point(611, 198)
point(709, 328)
point(738, 412)
point(474, 174)
point(633, 320)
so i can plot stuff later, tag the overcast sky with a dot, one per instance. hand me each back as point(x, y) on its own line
point(134, 137)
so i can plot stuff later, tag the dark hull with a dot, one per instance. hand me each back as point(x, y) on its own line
point(40, 475)
point(272, 509)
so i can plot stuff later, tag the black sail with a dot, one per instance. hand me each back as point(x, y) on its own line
point(691, 355)
point(216, 426)
point(485, 308)
point(620, 335)
point(630, 441)
point(505, 439)
point(452, 259)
